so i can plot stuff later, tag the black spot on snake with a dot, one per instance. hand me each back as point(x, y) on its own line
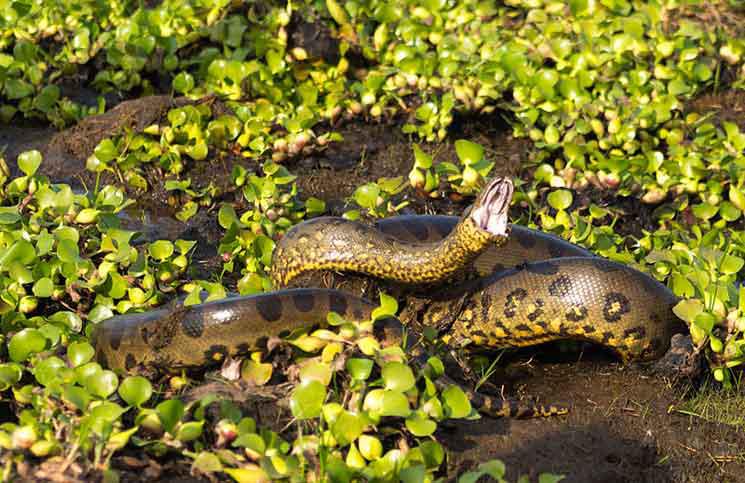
point(102, 359)
point(535, 314)
point(129, 362)
point(513, 300)
point(556, 250)
point(607, 336)
point(526, 240)
point(589, 329)
point(337, 303)
point(639, 332)
point(270, 307)
point(115, 339)
point(523, 327)
point(419, 231)
point(192, 324)
point(443, 229)
point(577, 313)
point(303, 302)
point(542, 268)
point(606, 265)
point(615, 306)
point(543, 325)
point(357, 313)
point(560, 287)
point(485, 305)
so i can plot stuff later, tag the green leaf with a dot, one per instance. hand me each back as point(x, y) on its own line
point(43, 287)
point(359, 369)
point(419, 425)
point(67, 251)
point(456, 402)
point(183, 82)
point(560, 199)
point(10, 374)
point(731, 264)
point(102, 384)
point(20, 251)
point(160, 249)
point(189, 431)
point(687, 310)
point(307, 400)
point(25, 343)
point(469, 152)
point(29, 162)
point(79, 353)
point(347, 427)
point(105, 151)
point(398, 376)
point(367, 195)
point(135, 390)
point(388, 307)
point(170, 412)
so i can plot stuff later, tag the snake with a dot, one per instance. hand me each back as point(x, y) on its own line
point(533, 288)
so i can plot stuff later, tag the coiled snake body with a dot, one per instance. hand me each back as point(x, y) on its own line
point(575, 297)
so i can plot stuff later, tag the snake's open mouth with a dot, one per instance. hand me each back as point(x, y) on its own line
point(490, 212)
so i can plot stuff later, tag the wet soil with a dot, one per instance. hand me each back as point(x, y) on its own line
point(622, 426)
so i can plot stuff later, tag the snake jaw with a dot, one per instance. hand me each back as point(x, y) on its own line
point(490, 212)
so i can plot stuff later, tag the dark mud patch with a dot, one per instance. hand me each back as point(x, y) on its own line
point(369, 152)
point(620, 429)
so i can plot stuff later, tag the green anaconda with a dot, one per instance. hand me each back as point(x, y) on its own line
point(566, 297)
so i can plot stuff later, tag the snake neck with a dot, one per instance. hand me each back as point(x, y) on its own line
point(337, 244)
point(438, 261)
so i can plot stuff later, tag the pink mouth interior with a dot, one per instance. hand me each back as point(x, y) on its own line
point(492, 214)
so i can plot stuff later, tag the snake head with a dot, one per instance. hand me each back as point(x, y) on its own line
point(490, 211)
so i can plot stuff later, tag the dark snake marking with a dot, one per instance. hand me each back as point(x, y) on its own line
point(638, 332)
point(560, 287)
point(510, 306)
point(486, 302)
point(242, 348)
point(498, 267)
point(606, 266)
point(589, 329)
point(537, 312)
point(524, 239)
point(303, 302)
point(116, 339)
point(615, 306)
point(419, 231)
point(443, 229)
point(357, 314)
point(555, 250)
point(577, 313)
point(130, 362)
point(102, 359)
point(337, 304)
point(607, 336)
point(542, 268)
point(524, 328)
point(192, 325)
point(270, 308)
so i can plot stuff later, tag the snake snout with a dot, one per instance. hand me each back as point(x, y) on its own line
point(490, 211)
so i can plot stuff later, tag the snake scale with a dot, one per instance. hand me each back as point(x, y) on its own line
point(534, 288)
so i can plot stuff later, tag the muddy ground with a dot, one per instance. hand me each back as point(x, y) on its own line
point(622, 426)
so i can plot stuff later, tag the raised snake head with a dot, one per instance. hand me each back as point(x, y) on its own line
point(490, 210)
